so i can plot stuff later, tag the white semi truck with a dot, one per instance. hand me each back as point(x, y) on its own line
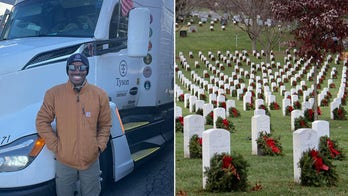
point(131, 58)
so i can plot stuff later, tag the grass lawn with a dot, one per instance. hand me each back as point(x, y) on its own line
point(275, 174)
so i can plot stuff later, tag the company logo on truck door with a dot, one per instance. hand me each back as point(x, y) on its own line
point(123, 69)
point(120, 82)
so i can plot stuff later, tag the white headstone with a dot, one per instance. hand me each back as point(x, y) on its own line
point(311, 102)
point(192, 101)
point(186, 100)
point(286, 103)
point(286, 94)
point(220, 99)
point(178, 93)
point(214, 141)
point(259, 112)
point(239, 92)
point(230, 104)
point(333, 106)
point(212, 97)
point(207, 108)
point(199, 104)
point(293, 91)
point(306, 105)
point(322, 127)
point(193, 124)
point(294, 98)
point(258, 102)
point(295, 114)
point(219, 112)
point(271, 99)
point(303, 140)
point(246, 99)
point(178, 111)
point(259, 123)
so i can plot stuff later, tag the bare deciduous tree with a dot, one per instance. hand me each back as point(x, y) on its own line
point(250, 16)
point(183, 8)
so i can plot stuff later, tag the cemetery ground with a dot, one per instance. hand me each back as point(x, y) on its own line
point(274, 175)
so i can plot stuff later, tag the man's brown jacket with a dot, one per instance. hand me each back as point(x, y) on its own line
point(83, 122)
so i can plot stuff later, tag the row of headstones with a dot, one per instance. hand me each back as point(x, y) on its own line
point(191, 102)
point(306, 93)
point(207, 109)
point(194, 104)
point(223, 113)
point(200, 23)
point(219, 141)
point(269, 97)
point(226, 79)
point(270, 76)
point(341, 92)
point(224, 87)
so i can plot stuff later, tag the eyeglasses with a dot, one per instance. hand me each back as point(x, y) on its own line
point(80, 68)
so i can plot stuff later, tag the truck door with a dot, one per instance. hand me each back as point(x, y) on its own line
point(117, 73)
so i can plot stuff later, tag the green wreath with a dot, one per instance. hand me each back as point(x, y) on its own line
point(227, 173)
point(225, 124)
point(301, 122)
point(297, 105)
point(288, 110)
point(195, 147)
point(202, 97)
point(263, 107)
point(317, 170)
point(249, 106)
point(181, 98)
point(309, 115)
point(179, 122)
point(209, 119)
point(274, 106)
point(234, 113)
point(339, 113)
point(329, 148)
point(222, 104)
point(269, 145)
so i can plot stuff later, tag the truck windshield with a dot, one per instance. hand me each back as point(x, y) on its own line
point(61, 18)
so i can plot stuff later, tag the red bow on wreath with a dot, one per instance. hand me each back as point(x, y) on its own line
point(333, 151)
point(234, 111)
point(199, 140)
point(181, 119)
point(318, 161)
point(271, 143)
point(227, 164)
point(225, 122)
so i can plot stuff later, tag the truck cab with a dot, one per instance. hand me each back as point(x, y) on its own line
point(130, 49)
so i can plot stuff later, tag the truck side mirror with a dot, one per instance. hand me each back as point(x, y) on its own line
point(138, 32)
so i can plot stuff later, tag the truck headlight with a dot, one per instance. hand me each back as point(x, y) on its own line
point(20, 153)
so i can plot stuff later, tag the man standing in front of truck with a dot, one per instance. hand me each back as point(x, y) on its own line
point(83, 122)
